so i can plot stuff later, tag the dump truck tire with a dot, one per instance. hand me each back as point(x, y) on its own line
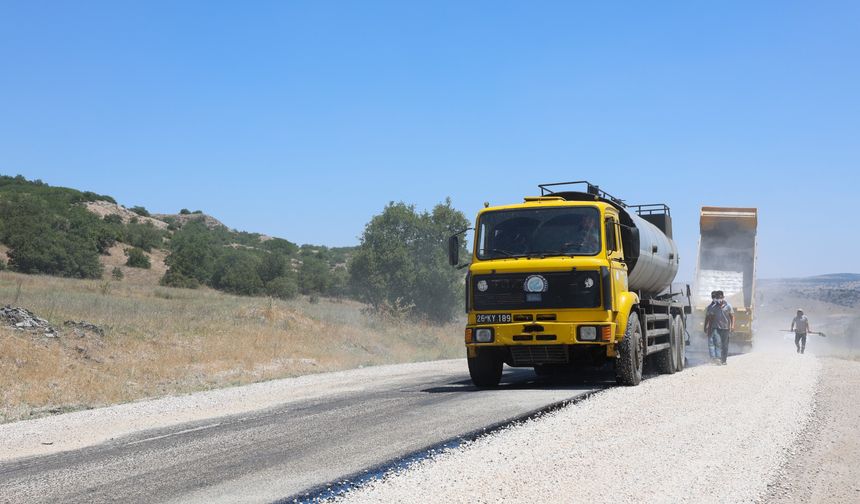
point(485, 370)
point(544, 371)
point(631, 353)
point(682, 343)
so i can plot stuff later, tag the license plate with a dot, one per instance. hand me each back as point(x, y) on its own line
point(493, 318)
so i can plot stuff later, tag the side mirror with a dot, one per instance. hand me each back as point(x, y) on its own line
point(453, 250)
point(688, 290)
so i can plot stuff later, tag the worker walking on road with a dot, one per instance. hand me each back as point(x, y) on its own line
point(800, 326)
point(721, 317)
point(711, 332)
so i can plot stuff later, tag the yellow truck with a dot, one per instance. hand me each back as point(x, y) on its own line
point(727, 262)
point(571, 278)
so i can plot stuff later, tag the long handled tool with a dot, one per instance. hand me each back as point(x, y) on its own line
point(810, 332)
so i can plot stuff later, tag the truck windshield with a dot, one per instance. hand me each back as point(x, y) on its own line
point(539, 232)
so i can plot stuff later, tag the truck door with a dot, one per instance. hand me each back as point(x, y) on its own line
point(615, 253)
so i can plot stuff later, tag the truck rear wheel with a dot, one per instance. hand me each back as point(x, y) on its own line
point(666, 360)
point(485, 369)
point(678, 324)
point(631, 353)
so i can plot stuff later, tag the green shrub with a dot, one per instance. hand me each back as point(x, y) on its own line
point(117, 273)
point(177, 279)
point(236, 272)
point(142, 235)
point(185, 211)
point(284, 287)
point(2, 265)
point(139, 210)
point(137, 258)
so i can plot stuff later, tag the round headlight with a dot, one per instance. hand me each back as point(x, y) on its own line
point(536, 283)
point(482, 285)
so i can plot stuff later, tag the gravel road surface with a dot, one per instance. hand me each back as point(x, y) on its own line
point(257, 443)
point(710, 434)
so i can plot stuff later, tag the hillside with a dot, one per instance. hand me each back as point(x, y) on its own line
point(79, 234)
point(842, 289)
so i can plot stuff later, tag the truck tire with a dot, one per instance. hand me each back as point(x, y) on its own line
point(631, 353)
point(665, 361)
point(682, 343)
point(485, 369)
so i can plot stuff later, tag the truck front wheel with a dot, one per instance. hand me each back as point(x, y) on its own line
point(485, 369)
point(631, 353)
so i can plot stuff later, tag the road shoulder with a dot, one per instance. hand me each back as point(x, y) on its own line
point(825, 464)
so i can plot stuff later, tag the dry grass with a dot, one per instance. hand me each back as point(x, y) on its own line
point(161, 341)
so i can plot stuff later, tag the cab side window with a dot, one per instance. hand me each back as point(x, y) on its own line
point(611, 239)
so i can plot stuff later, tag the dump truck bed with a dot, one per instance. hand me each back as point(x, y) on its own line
point(727, 262)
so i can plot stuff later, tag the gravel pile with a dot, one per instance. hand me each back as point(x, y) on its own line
point(709, 434)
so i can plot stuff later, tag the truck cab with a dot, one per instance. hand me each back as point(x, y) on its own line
point(549, 286)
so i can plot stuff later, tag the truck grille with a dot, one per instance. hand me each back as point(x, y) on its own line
point(530, 355)
point(567, 289)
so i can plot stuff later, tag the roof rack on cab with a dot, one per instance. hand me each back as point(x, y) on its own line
point(591, 189)
point(655, 213)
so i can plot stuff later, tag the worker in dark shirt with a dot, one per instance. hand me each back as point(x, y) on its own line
point(721, 317)
point(712, 335)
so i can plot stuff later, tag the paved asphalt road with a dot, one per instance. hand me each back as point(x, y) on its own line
point(282, 451)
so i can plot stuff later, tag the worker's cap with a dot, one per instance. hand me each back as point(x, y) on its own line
point(799, 310)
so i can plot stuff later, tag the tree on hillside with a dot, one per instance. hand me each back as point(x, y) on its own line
point(273, 266)
point(193, 252)
point(402, 260)
point(314, 275)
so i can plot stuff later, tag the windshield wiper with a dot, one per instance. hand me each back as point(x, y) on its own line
point(509, 254)
point(545, 253)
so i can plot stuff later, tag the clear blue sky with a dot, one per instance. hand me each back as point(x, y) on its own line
point(303, 119)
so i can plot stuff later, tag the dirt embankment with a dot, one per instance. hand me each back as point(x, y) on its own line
point(104, 208)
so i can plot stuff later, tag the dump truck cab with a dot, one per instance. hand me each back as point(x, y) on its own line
point(548, 285)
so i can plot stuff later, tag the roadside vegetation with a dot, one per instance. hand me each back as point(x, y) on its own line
point(162, 341)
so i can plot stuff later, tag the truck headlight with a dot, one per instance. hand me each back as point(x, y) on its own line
point(483, 335)
point(587, 333)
